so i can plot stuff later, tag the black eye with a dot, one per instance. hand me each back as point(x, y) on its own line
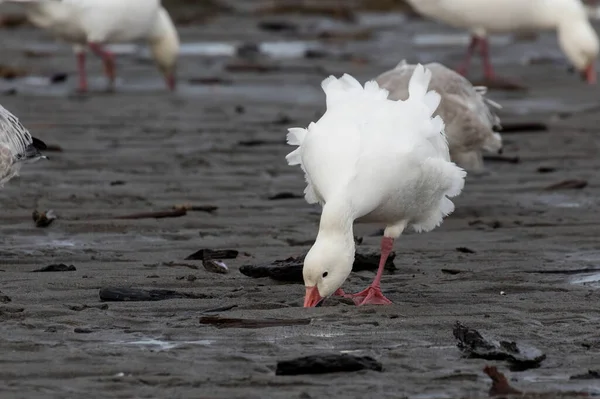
point(325, 274)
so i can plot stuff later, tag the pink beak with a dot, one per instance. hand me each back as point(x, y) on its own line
point(589, 74)
point(312, 297)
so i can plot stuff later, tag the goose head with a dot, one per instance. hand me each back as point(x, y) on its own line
point(579, 41)
point(327, 265)
point(164, 45)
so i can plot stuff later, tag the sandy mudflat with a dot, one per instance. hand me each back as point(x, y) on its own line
point(190, 147)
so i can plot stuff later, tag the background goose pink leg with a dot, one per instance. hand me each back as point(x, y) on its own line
point(490, 78)
point(109, 62)
point(81, 69)
point(463, 69)
point(373, 295)
point(488, 70)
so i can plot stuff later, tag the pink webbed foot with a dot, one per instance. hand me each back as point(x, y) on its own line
point(371, 296)
point(340, 292)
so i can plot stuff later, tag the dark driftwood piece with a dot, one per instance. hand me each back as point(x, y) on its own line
point(499, 84)
point(523, 127)
point(328, 363)
point(225, 322)
point(117, 294)
point(284, 195)
point(198, 208)
point(155, 215)
point(566, 271)
point(501, 158)
point(568, 184)
point(61, 267)
point(465, 250)
point(474, 345)
point(590, 375)
point(206, 254)
point(290, 270)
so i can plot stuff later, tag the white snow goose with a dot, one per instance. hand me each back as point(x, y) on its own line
point(576, 37)
point(94, 23)
point(371, 159)
point(469, 116)
point(16, 146)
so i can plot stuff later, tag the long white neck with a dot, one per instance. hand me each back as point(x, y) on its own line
point(164, 27)
point(337, 221)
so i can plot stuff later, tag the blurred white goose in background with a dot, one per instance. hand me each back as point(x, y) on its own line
point(370, 159)
point(576, 37)
point(94, 23)
point(468, 115)
point(16, 146)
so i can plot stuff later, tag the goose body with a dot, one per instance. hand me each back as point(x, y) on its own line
point(371, 159)
point(469, 116)
point(17, 146)
point(568, 18)
point(94, 23)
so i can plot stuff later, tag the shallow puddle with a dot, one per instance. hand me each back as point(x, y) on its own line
point(589, 280)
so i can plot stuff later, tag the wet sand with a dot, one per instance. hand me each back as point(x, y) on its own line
point(143, 149)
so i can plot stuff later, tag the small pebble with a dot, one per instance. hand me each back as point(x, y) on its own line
point(502, 293)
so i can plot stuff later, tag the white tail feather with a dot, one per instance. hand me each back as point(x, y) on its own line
point(419, 82)
point(350, 82)
point(294, 157)
point(432, 99)
point(296, 135)
point(347, 88)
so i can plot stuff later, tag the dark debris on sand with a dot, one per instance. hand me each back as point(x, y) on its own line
point(206, 254)
point(116, 294)
point(60, 267)
point(590, 375)
point(225, 322)
point(568, 185)
point(290, 270)
point(43, 219)
point(327, 363)
point(473, 344)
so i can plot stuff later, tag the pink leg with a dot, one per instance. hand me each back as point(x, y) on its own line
point(491, 79)
point(464, 68)
point(488, 70)
point(82, 74)
point(373, 295)
point(109, 62)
